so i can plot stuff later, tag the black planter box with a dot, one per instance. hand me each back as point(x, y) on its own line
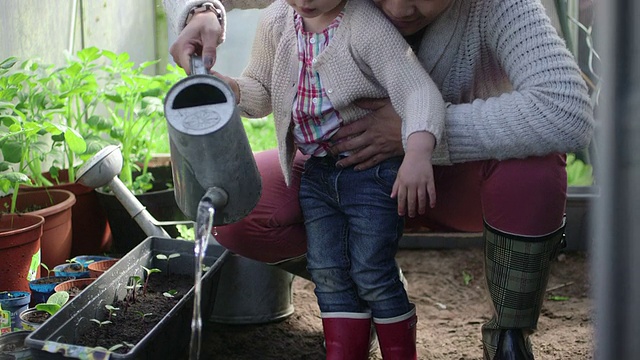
point(167, 340)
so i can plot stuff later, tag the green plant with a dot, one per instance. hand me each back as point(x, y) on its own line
point(578, 172)
point(54, 303)
point(147, 277)
point(49, 271)
point(134, 102)
point(261, 133)
point(167, 258)
point(31, 126)
point(112, 311)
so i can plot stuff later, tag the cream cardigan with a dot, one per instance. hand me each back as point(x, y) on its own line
point(358, 63)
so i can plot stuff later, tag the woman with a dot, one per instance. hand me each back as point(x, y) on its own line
point(515, 104)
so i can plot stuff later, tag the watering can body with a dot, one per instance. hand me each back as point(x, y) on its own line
point(209, 147)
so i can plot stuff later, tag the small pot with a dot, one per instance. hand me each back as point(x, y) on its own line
point(99, 267)
point(74, 269)
point(15, 302)
point(85, 260)
point(44, 287)
point(12, 346)
point(32, 318)
point(74, 287)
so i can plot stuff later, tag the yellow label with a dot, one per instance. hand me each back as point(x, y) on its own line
point(33, 268)
point(5, 321)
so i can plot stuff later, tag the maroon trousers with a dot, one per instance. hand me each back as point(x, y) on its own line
point(517, 196)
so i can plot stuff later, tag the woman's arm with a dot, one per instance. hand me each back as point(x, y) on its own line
point(205, 29)
point(547, 109)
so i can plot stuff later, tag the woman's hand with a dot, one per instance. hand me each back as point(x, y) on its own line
point(374, 138)
point(201, 36)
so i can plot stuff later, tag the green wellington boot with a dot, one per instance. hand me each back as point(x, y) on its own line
point(517, 272)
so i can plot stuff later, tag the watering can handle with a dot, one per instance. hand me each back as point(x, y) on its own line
point(197, 66)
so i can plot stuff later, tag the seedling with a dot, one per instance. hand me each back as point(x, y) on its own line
point(54, 303)
point(146, 281)
point(133, 283)
point(143, 315)
point(111, 349)
point(101, 323)
point(49, 271)
point(112, 311)
point(167, 257)
point(466, 278)
point(171, 293)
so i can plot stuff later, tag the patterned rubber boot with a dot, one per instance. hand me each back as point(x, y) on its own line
point(517, 272)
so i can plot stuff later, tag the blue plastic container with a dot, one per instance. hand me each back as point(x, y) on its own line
point(44, 287)
point(75, 269)
point(15, 302)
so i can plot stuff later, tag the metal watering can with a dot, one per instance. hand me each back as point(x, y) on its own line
point(210, 152)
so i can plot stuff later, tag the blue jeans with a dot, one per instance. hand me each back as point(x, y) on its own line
point(353, 229)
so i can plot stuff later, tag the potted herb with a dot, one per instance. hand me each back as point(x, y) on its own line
point(33, 318)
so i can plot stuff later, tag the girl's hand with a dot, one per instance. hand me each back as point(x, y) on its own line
point(415, 184)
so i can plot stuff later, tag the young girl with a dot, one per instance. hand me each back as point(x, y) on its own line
point(311, 60)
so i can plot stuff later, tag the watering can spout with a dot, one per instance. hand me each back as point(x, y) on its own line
point(209, 148)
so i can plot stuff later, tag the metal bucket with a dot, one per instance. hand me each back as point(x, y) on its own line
point(251, 292)
point(209, 147)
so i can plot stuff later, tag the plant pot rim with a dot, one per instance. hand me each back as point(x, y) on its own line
point(65, 203)
point(34, 221)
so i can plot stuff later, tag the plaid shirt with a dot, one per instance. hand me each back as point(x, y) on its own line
point(314, 118)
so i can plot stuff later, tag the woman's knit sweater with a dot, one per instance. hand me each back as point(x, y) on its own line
point(512, 88)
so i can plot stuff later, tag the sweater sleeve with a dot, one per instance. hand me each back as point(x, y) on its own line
point(413, 94)
point(548, 109)
point(255, 80)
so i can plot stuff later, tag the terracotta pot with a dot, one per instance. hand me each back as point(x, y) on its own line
point(99, 267)
point(19, 250)
point(74, 287)
point(55, 208)
point(90, 229)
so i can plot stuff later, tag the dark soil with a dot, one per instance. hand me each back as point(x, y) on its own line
point(37, 317)
point(135, 318)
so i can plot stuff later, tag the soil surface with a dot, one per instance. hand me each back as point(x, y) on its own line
point(135, 317)
point(448, 289)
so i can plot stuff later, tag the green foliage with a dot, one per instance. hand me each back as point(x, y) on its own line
point(54, 303)
point(261, 133)
point(578, 173)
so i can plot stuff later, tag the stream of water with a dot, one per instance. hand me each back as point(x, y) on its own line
point(204, 224)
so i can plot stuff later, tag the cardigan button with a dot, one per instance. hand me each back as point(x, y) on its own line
point(330, 91)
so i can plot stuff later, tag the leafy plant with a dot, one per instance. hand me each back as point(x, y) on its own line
point(32, 125)
point(54, 303)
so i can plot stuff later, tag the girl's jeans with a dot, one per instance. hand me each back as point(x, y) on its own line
point(353, 229)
